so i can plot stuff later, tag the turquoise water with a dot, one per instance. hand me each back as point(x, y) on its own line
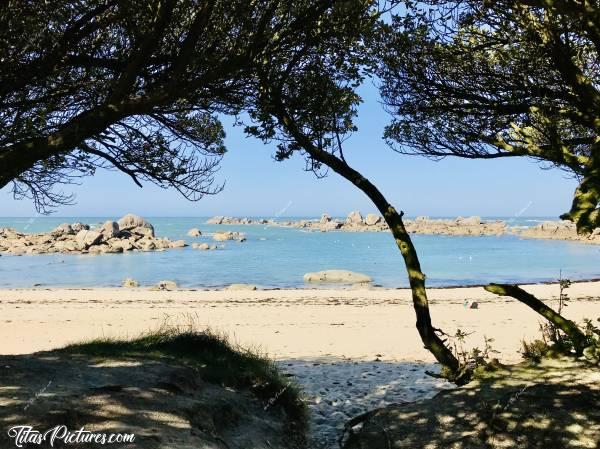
point(279, 257)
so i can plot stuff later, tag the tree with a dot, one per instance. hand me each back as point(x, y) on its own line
point(490, 79)
point(137, 87)
point(133, 85)
point(306, 102)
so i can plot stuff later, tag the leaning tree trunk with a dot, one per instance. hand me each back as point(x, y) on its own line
point(431, 340)
point(567, 326)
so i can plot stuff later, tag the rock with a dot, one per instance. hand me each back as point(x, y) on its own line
point(194, 232)
point(167, 285)
point(372, 219)
point(202, 246)
point(325, 218)
point(63, 229)
point(110, 229)
point(77, 226)
point(166, 243)
point(134, 222)
point(143, 231)
point(130, 283)
point(215, 220)
point(88, 238)
point(235, 287)
point(470, 221)
point(221, 236)
point(145, 244)
point(337, 276)
point(331, 226)
point(354, 218)
point(107, 239)
point(66, 246)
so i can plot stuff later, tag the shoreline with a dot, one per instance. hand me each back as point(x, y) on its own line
point(350, 350)
point(42, 318)
point(256, 287)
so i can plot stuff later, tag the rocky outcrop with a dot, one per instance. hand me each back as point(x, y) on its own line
point(130, 233)
point(337, 276)
point(560, 230)
point(355, 222)
point(460, 226)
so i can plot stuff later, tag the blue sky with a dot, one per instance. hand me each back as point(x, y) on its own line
point(256, 185)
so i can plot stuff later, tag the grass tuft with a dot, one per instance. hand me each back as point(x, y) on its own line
point(217, 361)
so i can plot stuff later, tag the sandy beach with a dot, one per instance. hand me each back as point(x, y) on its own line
point(350, 349)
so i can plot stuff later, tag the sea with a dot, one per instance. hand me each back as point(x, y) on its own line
point(275, 257)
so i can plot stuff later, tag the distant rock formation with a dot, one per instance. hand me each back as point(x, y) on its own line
point(460, 226)
point(560, 230)
point(355, 222)
point(130, 233)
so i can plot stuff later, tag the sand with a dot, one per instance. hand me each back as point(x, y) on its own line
point(351, 349)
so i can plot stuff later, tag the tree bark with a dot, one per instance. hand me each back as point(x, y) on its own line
point(567, 326)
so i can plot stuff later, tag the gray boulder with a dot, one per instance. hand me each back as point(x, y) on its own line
point(110, 229)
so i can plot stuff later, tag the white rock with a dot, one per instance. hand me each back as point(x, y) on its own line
point(372, 219)
point(354, 217)
point(167, 285)
point(194, 232)
point(222, 236)
point(130, 283)
point(215, 220)
point(178, 244)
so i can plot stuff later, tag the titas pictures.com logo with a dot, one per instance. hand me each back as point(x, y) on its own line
point(27, 435)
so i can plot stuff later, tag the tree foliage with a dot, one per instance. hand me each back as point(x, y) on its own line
point(489, 79)
point(136, 86)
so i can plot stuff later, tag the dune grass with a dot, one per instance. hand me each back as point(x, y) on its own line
point(217, 361)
